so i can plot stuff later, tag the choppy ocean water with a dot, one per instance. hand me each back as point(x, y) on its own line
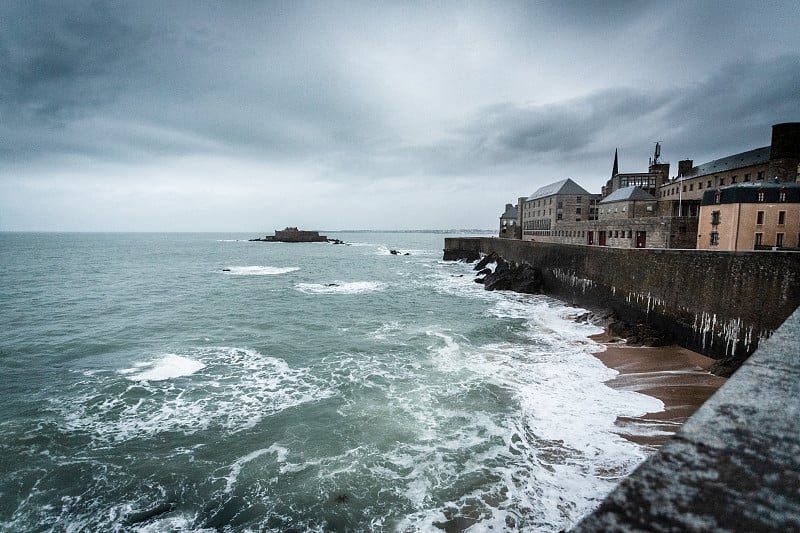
point(307, 387)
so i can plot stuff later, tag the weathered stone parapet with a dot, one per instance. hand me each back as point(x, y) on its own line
point(721, 304)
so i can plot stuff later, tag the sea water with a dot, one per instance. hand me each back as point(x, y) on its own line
point(201, 382)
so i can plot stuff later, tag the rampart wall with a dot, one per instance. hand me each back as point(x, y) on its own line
point(721, 304)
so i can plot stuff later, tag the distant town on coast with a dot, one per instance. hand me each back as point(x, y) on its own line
point(745, 201)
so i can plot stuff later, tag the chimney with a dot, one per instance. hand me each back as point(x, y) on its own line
point(684, 167)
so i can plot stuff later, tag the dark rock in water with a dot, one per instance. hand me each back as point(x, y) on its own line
point(331, 284)
point(512, 277)
point(226, 269)
point(406, 253)
point(479, 280)
point(394, 252)
point(141, 516)
point(491, 258)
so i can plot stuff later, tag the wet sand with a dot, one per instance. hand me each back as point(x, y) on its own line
point(676, 376)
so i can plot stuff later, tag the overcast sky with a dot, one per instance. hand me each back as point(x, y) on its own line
point(251, 116)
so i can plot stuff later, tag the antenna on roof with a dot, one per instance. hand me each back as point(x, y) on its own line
point(657, 154)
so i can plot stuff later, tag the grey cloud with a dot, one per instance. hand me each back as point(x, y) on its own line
point(733, 108)
point(61, 59)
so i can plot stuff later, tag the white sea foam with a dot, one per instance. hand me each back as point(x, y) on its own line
point(546, 462)
point(236, 467)
point(236, 390)
point(354, 287)
point(167, 367)
point(258, 270)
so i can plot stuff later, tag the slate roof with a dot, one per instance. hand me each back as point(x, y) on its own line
point(747, 193)
point(745, 159)
point(627, 194)
point(566, 186)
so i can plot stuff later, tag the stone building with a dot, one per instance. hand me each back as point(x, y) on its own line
point(750, 216)
point(509, 223)
point(657, 175)
point(552, 205)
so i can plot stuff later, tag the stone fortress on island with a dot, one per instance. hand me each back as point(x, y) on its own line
point(745, 201)
point(296, 235)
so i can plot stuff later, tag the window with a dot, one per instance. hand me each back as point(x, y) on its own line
point(684, 188)
point(734, 179)
point(578, 199)
point(781, 196)
point(714, 239)
point(560, 205)
point(747, 177)
point(709, 184)
point(717, 197)
point(759, 237)
point(761, 175)
point(721, 181)
point(699, 185)
point(760, 217)
point(761, 195)
point(715, 218)
point(558, 216)
point(577, 210)
point(779, 239)
point(691, 186)
point(781, 218)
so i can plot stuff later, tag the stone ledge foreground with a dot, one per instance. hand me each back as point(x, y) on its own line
point(734, 465)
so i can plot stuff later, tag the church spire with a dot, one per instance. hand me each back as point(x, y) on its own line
point(615, 170)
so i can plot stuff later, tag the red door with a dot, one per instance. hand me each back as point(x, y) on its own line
point(641, 239)
point(601, 238)
point(589, 237)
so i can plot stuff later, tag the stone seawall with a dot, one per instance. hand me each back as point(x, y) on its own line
point(721, 304)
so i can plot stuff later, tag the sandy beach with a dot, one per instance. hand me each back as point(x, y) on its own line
point(676, 376)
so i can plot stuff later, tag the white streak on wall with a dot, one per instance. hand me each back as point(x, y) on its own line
point(568, 278)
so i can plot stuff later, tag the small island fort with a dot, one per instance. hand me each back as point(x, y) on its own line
point(293, 235)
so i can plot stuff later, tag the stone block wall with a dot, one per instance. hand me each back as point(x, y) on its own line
point(721, 304)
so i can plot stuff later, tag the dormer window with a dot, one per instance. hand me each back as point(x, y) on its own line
point(762, 195)
point(717, 197)
point(782, 195)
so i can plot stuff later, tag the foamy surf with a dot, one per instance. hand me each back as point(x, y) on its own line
point(258, 270)
point(168, 367)
point(236, 390)
point(355, 287)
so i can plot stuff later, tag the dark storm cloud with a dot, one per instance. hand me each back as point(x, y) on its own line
point(58, 59)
